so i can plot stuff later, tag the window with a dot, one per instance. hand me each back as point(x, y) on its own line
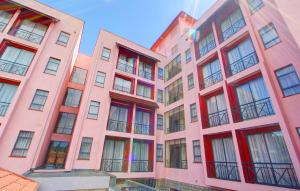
point(143, 123)
point(65, 123)
point(174, 120)
point(31, 31)
point(52, 66)
point(232, 24)
point(78, 75)
point(105, 54)
point(160, 96)
point(63, 39)
point(94, 110)
point(122, 85)
point(160, 122)
point(141, 161)
point(159, 153)
point(7, 92)
point(174, 92)
point(72, 98)
point(113, 157)
point(126, 64)
point(188, 55)
point(191, 84)
point(241, 57)
point(197, 151)
point(173, 68)
point(254, 100)
point(193, 111)
point(255, 5)
point(118, 118)
point(100, 79)
point(176, 154)
point(39, 100)
point(4, 19)
point(207, 43)
point(144, 90)
point(217, 110)
point(288, 80)
point(145, 70)
point(22, 144)
point(160, 73)
point(211, 73)
point(85, 148)
point(15, 60)
point(269, 35)
point(57, 154)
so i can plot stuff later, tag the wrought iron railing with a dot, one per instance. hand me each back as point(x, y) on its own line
point(125, 68)
point(141, 166)
point(175, 128)
point(28, 35)
point(3, 108)
point(223, 170)
point(242, 64)
point(145, 74)
point(2, 26)
point(209, 46)
point(218, 118)
point(122, 88)
point(252, 110)
point(182, 164)
point(13, 67)
point(143, 129)
point(274, 174)
point(234, 28)
point(114, 165)
point(120, 126)
point(211, 80)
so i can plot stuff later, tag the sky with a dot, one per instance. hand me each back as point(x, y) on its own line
point(141, 21)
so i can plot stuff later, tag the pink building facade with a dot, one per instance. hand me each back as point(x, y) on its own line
point(212, 105)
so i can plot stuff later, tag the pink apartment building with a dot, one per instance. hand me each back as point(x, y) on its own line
point(211, 106)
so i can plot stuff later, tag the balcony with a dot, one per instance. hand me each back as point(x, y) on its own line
point(114, 165)
point(175, 128)
point(29, 36)
point(145, 74)
point(141, 166)
point(273, 174)
point(211, 80)
point(234, 28)
point(119, 126)
point(242, 64)
point(143, 129)
point(125, 68)
point(3, 108)
point(13, 67)
point(218, 118)
point(181, 164)
point(253, 110)
point(223, 170)
point(122, 88)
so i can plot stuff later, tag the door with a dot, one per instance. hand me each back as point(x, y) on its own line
point(57, 154)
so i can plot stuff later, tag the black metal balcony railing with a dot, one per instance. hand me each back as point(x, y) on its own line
point(143, 129)
point(252, 110)
point(13, 67)
point(242, 64)
point(223, 170)
point(181, 164)
point(141, 166)
point(234, 28)
point(114, 165)
point(125, 68)
point(3, 108)
point(122, 88)
point(207, 48)
point(218, 118)
point(211, 80)
point(145, 74)
point(28, 35)
point(175, 128)
point(274, 174)
point(120, 126)
point(2, 26)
